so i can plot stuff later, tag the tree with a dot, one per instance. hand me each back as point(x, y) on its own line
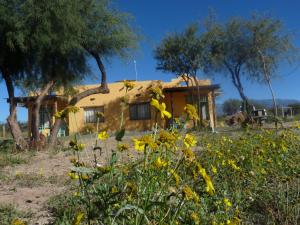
point(271, 47)
point(107, 34)
point(232, 106)
point(228, 49)
point(55, 45)
point(248, 49)
point(45, 45)
point(14, 60)
point(182, 54)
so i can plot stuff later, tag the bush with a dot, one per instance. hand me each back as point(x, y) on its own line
point(9, 215)
point(251, 177)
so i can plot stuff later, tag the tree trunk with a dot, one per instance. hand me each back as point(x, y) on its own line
point(102, 89)
point(12, 118)
point(268, 80)
point(237, 83)
point(102, 70)
point(36, 112)
point(235, 77)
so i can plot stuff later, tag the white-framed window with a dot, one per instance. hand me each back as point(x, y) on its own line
point(202, 98)
point(94, 114)
point(140, 111)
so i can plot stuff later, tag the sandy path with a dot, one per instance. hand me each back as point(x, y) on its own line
point(32, 197)
point(50, 171)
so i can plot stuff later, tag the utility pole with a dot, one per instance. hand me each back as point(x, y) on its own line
point(136, 74)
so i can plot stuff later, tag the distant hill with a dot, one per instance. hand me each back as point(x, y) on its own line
point(266, 103)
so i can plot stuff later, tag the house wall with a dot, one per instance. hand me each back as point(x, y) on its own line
point(140, 93)
point(112, 106)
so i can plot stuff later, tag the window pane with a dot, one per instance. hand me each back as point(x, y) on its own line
point(91, 114)
point(140, 111)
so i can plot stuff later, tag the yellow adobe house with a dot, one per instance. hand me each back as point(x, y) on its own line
point(139, 115)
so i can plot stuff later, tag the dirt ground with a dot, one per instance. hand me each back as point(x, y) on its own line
point(29, 186)
point(30, 195)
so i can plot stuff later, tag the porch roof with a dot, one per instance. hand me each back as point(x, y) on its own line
point(213, 87)
point(25, 101)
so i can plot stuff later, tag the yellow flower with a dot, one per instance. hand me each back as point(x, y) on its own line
point(143, 142)
point(76, 146)
point(233, 165)
point(209, 185)
point(73, 175)
point(18, 222)
point(214, 169)
point(85, 177)
point(114, 189)
point(227, 203)
point(77, 194)
point(176, 177)
point(161, 108)
point(139, 145)
point(81, 146)
point(189, 140)
point(195, 218)
point(191, 112)
point(157, 93)
point(103, 135)
point(129, 85)
point(78, 218)
point(167, 139)
point(189, 194)
point(122, 147)
point(234, 221)
point(189, 154)
point(131, 187)
point(159, 163)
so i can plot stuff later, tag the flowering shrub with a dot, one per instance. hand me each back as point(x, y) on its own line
point(250, 177)
point(189, 179)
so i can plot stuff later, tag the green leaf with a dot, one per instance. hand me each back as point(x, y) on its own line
point(130, 207)
point(120, 134)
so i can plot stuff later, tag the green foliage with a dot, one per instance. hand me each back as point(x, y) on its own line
point(55, 43)
point(108, 31)
point(231, 106)
point(271, 42)
point(8, 155)
point(265, 185)
point(246, 48)
point(250, 177)
point(13, 59)
point(49, 39)
point(9, 214)
point(181, 53)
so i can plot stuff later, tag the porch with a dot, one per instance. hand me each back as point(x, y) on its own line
point(177, 97)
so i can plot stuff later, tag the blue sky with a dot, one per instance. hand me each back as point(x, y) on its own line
point(156, 18)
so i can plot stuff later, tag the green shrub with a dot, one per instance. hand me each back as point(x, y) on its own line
point(10, 215)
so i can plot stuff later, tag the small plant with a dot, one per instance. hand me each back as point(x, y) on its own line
point(9, 215)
